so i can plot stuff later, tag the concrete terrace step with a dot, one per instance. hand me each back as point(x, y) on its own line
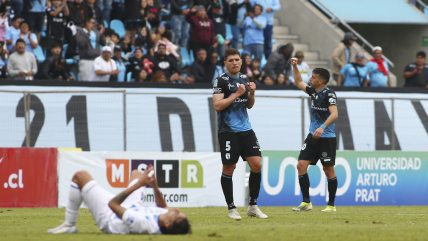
point(284, 39)
point(281, 30)
point(301, 47)
point(318, 64)
point(310, 56)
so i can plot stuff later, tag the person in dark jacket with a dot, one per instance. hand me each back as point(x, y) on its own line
point(54, 68)
point(78, 12)
point(137, 63)
point(416, 74)
point(214, 12)
point(88, 40)
point(203, 33)
point(179, 9)
point(280, 61)
point(167, 64)
point(97, 14)
point(231, 8)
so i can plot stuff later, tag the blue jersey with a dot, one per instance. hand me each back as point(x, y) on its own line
point(320, 101)
point(234, 118)
point(351, 76)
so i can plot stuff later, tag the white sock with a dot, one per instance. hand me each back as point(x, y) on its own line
point(74, 202)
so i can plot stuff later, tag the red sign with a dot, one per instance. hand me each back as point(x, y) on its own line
point(28, 177)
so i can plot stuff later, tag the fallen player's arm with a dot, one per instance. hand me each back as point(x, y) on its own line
point(221, 103)
point(160, 201)
point(114, 204)
point(333, 116)
point(297, 77)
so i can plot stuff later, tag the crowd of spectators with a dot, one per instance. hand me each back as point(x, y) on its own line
point(176, 41)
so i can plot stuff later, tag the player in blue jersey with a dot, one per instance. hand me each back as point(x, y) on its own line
point(233, 94)
point(320, 144)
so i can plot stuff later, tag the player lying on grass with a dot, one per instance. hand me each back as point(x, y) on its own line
point(124, 213)
point(320, 144)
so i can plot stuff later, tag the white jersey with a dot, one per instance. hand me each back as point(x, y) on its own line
point(101, 64)
point(305, 72)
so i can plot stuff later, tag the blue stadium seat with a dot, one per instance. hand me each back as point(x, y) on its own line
point(263, 62)
point(128, 77)
point(273, 41)
point(185, 59)
point(240, 50)
point(192, 58)
point(229, 34)
point(38, 52)
point(78, 77)
point(118, 27)
point(105, 24)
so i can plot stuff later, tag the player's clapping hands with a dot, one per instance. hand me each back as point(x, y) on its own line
point(144, 179)
point(241, 90)
point(294, 61)
point(251, 87)
point(318, 132)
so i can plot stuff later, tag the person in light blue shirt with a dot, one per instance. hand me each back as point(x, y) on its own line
point(269, 6)
point(120, 64)
point(254, 24)
point(354, 74)
point(378, 69)
point(12, 32)
point(29, 38)
point(36, 16)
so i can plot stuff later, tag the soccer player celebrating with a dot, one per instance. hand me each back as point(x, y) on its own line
point(233, 94)
point(320, 144)
point(125, 213)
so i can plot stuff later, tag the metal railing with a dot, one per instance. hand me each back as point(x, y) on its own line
point(29, 106)
point(363, 40)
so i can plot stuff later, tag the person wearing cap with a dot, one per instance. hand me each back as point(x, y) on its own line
point(203, 32)
point(254, 25)
point(280, 61)
point(103, 67)
point(21, 65)
point(416, 73)
point(25, 34)
point(88, 40)
point(215, 14)
point(303, 67)
point(179, 10)
point(341, 54)
point(378, 69)
point(354, 74)
point(120, 63)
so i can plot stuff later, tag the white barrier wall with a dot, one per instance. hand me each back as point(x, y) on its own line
point(185, 179)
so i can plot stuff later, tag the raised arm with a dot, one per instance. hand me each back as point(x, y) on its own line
point(297, 77)
point(114, 204)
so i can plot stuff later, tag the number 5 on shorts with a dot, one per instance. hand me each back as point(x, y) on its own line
point(227, 145)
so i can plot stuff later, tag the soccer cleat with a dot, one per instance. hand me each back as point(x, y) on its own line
point(329, 208)
point(233, 213)
point(303, 207)
point(254, 211)
point(63, 229)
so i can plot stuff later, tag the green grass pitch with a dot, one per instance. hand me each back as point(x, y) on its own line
point(348, 223)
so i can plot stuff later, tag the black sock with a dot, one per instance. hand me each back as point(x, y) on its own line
point(227, 186)
point(332, 188)
point(304, 187)
point(254, 183)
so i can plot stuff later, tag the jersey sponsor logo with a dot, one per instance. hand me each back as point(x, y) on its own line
point(332, 101)
point(167, 172)
point(225, 77)
point(243, 76)
point(239, 100)
point(231, 86)
point(317, 108)
point(304, 147)
point(215, 83)
point(332, 95)
point(217, 90)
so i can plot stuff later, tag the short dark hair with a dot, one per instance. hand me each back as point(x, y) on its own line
point(230, 52)
point(16, 18)
point(179, 226)
point(23, 22)
point(161, 45)
point(88, 20)
point(258, 5)
point(422, 54)
point(201, 49)
point(56, 45)
point(323, 74)
point(115, 34)
point(19, 41)
point(139, 48)
point(256, 59)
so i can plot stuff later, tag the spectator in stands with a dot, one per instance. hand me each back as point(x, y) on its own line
point(303, 67)
point(139, 62)
point(144, 41)
point(26, 35)
point(4, 22)
point(56, 50)
point(3, 61)
point(17, 6)
point(190, 79)
point(203, 33)
point(142, 76)
point(342, 55)
point(354, 74)
point(166, 64)
point(154, 15)
point(267, 80)
point(231, 10)
point(280, 80)
point(216, 16)
point(255, 70)
point(88, 41)
point(200, 69)
point(120, 63)
point(416, 74)
point(21, 64)
point(78, 13)
point(161, 37)
point(254, 25)
point(270, 6)
point(97, 15)
point(35, 17)
point(161, 34)
point(280, 61)
point(378, 69)
point(50, 62)
point(159, 77)
point(179, 10)
point(103, 67)
point(55, 71)
point(132, 20)
point(106, 7)
point(217, 69)
point(13, 31)
point(56, 16)
point(144, 14)
point(246, 64)
point(118, 10)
